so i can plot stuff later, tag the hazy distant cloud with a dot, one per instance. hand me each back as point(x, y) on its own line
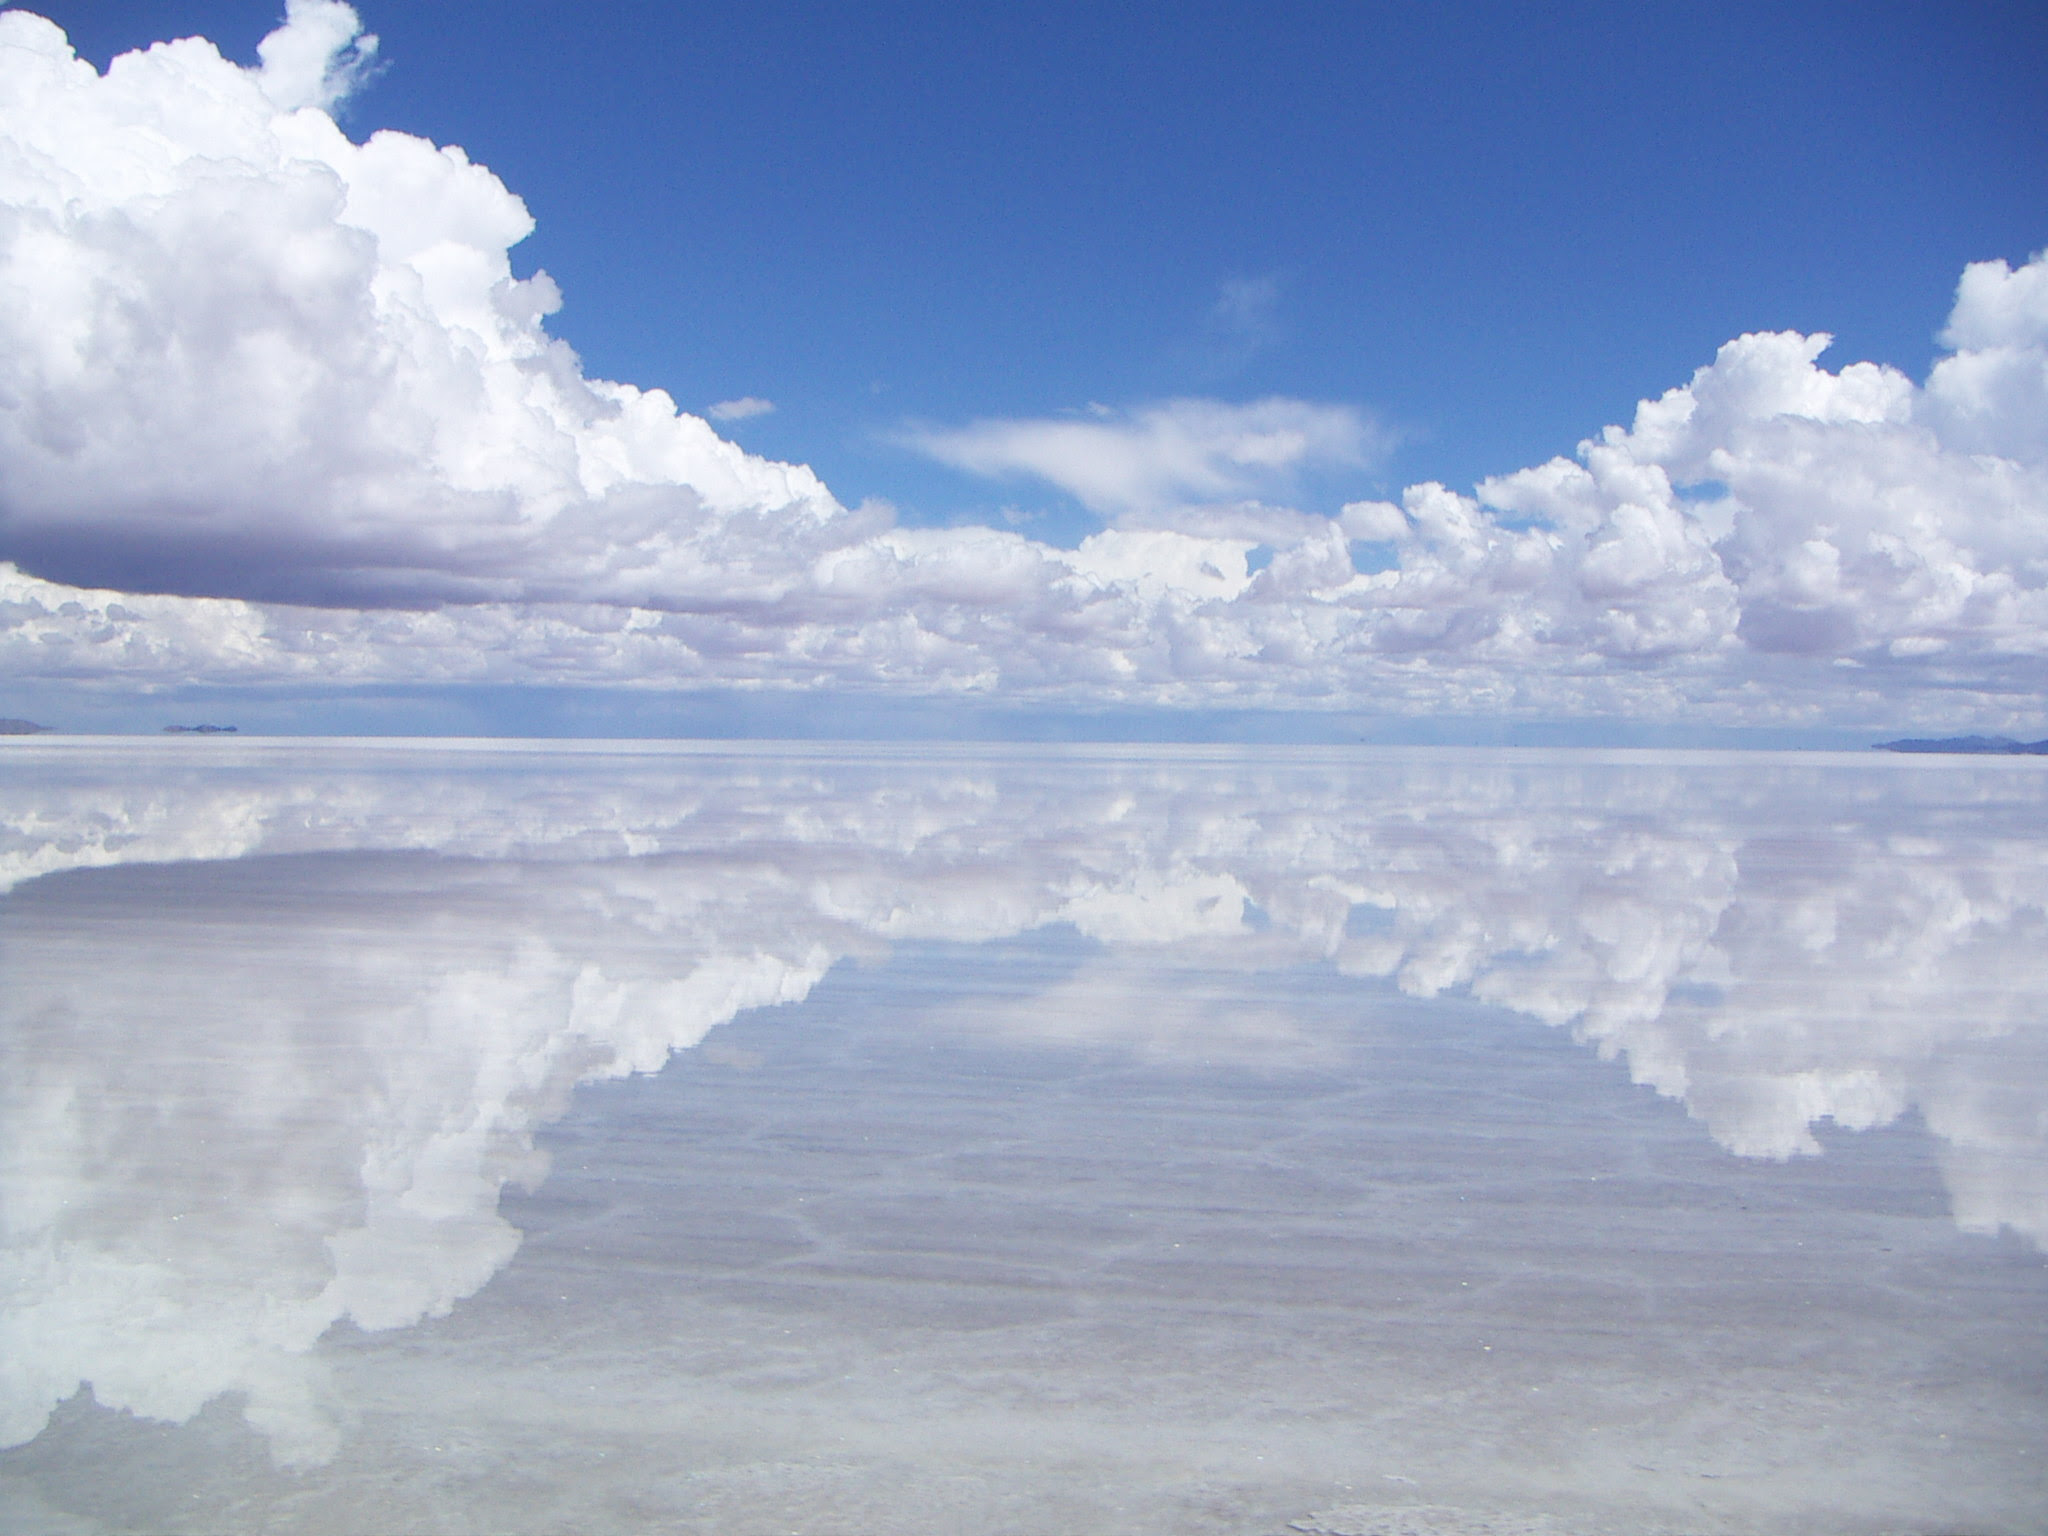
point(1243, 321)
point(741, 409)
point(292, 377)
point(1248, 307)
point(1150, 462)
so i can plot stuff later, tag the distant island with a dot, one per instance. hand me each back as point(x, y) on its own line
point(2004, 745)
point(200, 730)
point(22, 728)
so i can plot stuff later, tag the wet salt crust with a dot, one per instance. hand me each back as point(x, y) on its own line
point(765, 1140)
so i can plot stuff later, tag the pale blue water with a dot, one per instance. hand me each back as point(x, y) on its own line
point(512, 1137)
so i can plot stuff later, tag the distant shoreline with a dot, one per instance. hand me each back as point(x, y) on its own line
point(1978, 746)
point(2003, 746)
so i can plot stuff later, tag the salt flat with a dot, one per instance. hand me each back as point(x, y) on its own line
point(520, 1138)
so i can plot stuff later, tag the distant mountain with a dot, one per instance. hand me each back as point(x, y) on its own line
point(21, 728)
point(1996, 744)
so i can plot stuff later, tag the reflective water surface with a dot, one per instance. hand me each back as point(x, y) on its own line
point(520, 1138)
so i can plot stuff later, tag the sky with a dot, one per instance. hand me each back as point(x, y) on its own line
point(1184, 370)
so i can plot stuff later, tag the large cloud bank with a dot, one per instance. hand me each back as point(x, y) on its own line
point(287, 385)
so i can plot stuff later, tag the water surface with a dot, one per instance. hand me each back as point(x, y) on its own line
point(520, 1138)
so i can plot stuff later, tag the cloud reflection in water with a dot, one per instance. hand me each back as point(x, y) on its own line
point(280, 1024)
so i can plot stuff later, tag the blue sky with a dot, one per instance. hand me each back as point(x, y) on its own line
point(1493, 226)
point(1470, 235)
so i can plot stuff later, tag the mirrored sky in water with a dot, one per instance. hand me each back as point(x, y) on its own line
point(527, 1137)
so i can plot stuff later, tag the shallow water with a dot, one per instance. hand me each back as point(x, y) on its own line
point(454, 1137)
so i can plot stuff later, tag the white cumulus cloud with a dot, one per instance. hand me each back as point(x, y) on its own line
point(275, 408)
point(317, 57)
point(244, 355)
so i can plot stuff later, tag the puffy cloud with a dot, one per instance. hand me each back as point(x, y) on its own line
point(1771, 508)
point(1992, 395)
point(317, 58)
point(1859, 531)
point(243, 355)
point(286, 384)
